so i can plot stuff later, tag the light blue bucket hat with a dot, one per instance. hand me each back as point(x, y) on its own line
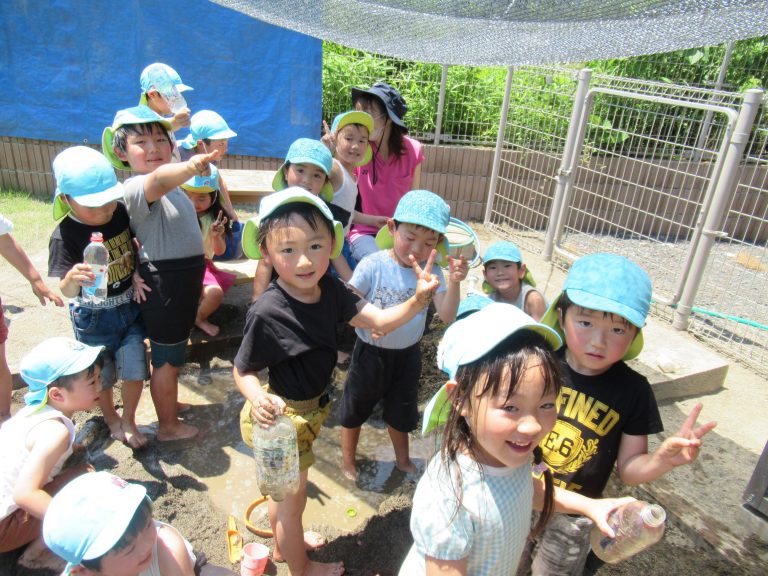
point(135, 115)
point(158, 72)
point(355, 117)
point(469, 339)
point(87, 176)
point(206, 125)
point(307, 151)
point(89, 515)
point(608, 283)
point(508, 252)
point(471, 304)
point(422, 208)
point(49, 361)
point(203, 184)
point(270, 203)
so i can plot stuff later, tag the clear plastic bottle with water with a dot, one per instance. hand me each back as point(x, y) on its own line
point(472, 282)
point(163, 83)
point(637, 526)
point(276, 452)
point(97, 255)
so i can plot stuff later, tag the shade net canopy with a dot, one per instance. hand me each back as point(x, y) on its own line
point(520, 32)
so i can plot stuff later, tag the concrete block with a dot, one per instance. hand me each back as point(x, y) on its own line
point(677, 365)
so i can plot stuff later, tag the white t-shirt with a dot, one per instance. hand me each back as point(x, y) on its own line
point(14, 453)
point(384, 283)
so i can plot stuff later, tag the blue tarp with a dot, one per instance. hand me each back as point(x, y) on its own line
point(67, 66)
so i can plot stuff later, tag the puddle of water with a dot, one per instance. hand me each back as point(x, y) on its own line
point(224, 464)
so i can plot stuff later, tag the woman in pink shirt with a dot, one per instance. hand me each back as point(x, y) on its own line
point(394, 169)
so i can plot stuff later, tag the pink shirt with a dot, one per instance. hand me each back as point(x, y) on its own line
point(393, 179)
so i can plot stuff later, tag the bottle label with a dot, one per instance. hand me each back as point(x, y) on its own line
point(99, 283)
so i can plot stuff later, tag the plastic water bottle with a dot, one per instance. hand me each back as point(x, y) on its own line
point(276, 452)
point(163, 83)
point(637, 526)
point(472, 282)
point(97, 255)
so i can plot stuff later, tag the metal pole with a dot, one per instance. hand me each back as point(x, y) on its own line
point(441, 104)
point(499, 146)
point(726, 184)
point(565, 173)
point(706, 125)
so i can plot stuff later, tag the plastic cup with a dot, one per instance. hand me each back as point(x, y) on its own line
point(254, 560)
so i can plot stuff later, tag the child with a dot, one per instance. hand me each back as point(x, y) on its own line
point(508, 280)
point(172, 264)
point(63, 378)
point(307, 165)
point(203, 191)
point(16, 256)
point(208, 132)
point(349, 140)
point(472, 507)
point(102, 525)
point(162, 74)
point(291, 329)
point(600, 314)
point(388, 368)
point(86, 197)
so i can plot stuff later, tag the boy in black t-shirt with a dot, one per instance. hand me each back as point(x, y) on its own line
point(605, 410)
point(86, 197)
point(291, 329)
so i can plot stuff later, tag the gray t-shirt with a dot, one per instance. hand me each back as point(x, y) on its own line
point(167, 229)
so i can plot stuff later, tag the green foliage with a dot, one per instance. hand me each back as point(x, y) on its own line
point(539, 106)
point(32, 218)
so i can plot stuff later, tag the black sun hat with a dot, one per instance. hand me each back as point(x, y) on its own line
point(396, 106)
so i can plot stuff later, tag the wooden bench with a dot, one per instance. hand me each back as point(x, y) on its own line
point(247, 185)
point(243, 269)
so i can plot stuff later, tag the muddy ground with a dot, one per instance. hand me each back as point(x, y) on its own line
point(378, 548)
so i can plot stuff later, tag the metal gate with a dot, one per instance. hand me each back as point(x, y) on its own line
point(648, 170)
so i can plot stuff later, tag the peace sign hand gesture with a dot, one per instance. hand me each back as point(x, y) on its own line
point(427, 283)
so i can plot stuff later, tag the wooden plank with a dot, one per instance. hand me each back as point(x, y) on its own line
point(243, 269)
point(248, 185)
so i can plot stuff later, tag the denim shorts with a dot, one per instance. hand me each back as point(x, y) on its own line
point(121, 331)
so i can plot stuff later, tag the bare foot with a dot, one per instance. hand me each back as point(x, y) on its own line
point(349, 471)
point(180, 431)
point(133, 437)
point(408, 467)
point(182, 407)
point(116, 430)
point(312, 541)
point(324, 569)
point(207, 327)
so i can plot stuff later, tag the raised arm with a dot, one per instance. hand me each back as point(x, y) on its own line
point(371, 317)
point(636, 466)
point(447, 303)
point(168, 176)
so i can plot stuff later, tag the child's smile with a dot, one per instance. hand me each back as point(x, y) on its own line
point(504, 277)
point(145, 152)
point(307, 176)
point(300, 256)
point(507, 430)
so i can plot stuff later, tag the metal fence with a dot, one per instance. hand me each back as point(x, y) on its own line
point(643, 177)
point(644, 171)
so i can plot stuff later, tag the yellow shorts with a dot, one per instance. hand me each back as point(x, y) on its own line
point(307, 417)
